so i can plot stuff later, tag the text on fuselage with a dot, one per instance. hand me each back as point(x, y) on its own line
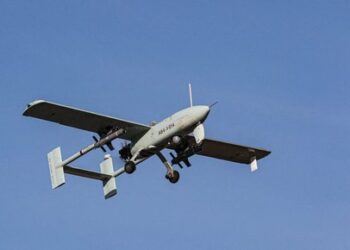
point(163, 130)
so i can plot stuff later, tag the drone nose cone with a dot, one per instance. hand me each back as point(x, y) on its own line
point(207, 109)
point(204, 111)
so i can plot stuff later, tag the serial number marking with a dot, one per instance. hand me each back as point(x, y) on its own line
point(163, 130)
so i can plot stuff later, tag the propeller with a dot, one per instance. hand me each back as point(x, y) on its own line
point(118, 158)
point(124, 152)
point(96, 140)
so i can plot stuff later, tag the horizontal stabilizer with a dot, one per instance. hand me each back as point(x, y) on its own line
point(86, 173)
point(56, 169)
point(109, 185)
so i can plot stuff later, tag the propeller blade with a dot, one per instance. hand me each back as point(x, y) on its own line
point(96, 140)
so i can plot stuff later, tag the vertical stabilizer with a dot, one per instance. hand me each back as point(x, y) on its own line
point(56, 168)
point(109, 185)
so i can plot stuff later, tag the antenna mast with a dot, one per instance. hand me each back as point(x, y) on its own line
point(190, 93)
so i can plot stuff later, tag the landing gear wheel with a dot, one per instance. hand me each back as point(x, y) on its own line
point(175, 178)
point(130, 167)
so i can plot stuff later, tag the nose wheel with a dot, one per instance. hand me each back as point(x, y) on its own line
point(174, 177)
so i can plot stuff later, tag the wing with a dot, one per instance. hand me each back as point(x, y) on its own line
point(231, 152)
point(218, 149)
point(81, 119)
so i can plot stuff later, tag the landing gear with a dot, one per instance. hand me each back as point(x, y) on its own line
point(130, 167)
point(174, 177)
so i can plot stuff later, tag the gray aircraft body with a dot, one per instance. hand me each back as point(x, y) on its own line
point(183, 132)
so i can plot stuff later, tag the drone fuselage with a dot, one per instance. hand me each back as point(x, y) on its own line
point(173, 133)
point(181, 123)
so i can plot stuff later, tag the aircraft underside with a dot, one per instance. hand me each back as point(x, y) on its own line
point(182, 133)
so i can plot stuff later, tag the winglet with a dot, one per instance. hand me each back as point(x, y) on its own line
point(253, 164)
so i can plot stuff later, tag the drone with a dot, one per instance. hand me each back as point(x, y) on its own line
point(183, 133)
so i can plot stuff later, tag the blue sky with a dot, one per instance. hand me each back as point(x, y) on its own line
point(280, 71)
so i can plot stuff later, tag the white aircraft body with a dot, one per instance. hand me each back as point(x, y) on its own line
point(182, 132)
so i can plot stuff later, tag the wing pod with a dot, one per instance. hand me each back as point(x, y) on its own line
point(199, 133)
